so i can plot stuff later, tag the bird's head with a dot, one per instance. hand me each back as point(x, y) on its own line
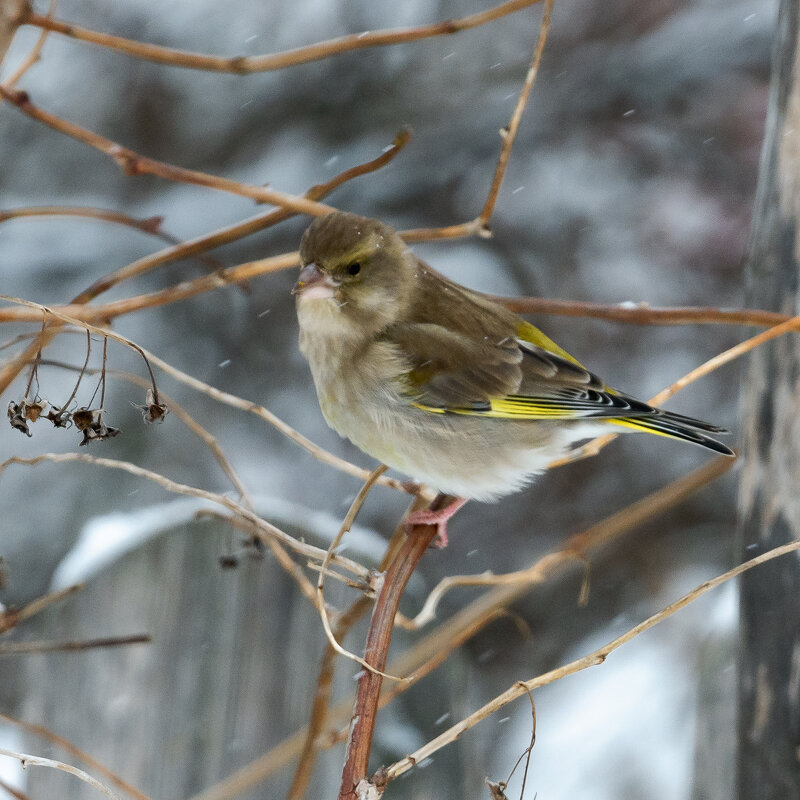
point(356, 267)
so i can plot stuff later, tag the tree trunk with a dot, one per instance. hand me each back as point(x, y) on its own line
point(769, 500)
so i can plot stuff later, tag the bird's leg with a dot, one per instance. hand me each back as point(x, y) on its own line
point(439, 518)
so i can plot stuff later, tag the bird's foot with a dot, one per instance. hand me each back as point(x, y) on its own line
point(426, 516)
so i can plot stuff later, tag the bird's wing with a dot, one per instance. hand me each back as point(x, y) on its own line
point(496, 365)
point(512, 378)
point(506, 377)
point(447, 370)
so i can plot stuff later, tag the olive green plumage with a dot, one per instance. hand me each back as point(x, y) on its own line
point(439, 381)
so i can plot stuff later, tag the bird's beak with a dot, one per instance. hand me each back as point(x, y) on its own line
point(314, 283)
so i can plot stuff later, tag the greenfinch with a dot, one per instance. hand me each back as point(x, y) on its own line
point(440, 382)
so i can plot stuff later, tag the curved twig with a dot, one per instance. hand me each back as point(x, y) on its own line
point(244, 65)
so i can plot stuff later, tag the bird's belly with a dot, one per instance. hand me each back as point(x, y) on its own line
point(478, 458)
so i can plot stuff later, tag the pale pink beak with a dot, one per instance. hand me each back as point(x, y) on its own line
point(314, 283)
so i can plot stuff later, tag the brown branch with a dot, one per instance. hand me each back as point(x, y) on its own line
point(592, 659)
point(150, 225)
point(243, 65)
point(222, 277)
point(11, 17)
point(25, 648)
point(239, 230)
point(322, 696)
point(376, 651)
point(643, 313)
point(35, 52)
point(131, 163)
point(12, 617)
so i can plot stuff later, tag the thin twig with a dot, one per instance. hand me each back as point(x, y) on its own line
point(26, 648)
point(349, 519)
point(590, 660)
point(35, 52)
point(509, 133)
point(60, 741)
point(578, 547)
point(149, 225)
point(12, 792)
point(132, 163)
point(11, 14)
point(89, 328)
point(37, 761)
point(187, 419)
point(263, 528)
point(45, 601)
point(253, 408)
point(243, 65)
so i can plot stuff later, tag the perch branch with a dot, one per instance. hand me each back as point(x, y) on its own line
point(376, 651)
point(319, 711)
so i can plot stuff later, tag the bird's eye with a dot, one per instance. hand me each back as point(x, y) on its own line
point(354, 268)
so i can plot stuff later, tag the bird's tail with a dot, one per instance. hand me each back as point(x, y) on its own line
point(677, 426)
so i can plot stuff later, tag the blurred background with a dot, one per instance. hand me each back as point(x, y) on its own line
point(632, 179)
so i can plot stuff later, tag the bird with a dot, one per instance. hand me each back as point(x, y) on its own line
point(443, 383)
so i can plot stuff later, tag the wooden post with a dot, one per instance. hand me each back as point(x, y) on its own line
point(769, 497)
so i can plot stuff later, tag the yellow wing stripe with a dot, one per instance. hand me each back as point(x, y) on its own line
point(530, 333)
point(642, 425)
point(509, 408)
